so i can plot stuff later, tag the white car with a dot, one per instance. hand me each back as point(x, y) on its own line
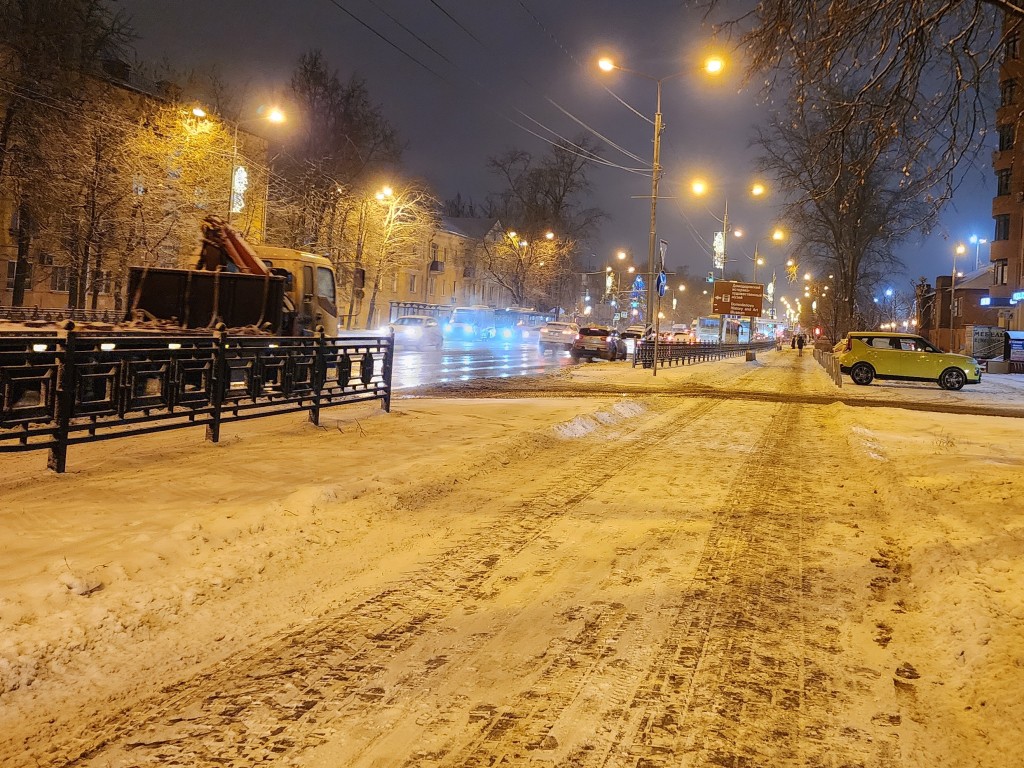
point(556, 336)
point(418, 331)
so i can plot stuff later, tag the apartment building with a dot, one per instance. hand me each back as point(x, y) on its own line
point(1007, 251)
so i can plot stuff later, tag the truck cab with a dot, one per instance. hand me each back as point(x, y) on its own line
point(311, 288)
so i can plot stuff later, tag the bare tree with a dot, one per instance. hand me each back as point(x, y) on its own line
point(541, 195)
point(528, 264)
point(344, 139)
point(48, 48)
point(397, 230)
point(849, 199)
point(931, 65)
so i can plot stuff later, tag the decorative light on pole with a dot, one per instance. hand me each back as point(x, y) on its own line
point(239, 178)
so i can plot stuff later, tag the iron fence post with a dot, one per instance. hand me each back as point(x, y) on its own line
point(319, 373)
point(64, 402)
point(389, 356)
point(220, 381)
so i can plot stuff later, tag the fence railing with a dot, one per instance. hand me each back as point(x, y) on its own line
point(681, 353)
point(65, 388)
point(59, 314)
point(828, 361)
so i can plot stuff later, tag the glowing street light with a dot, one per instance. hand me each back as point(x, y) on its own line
point(714, 65)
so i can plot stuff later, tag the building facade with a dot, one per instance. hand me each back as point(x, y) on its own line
point(1007, 251)
point(946, 311)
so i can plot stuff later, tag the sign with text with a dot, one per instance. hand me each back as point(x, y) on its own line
point(733, 298)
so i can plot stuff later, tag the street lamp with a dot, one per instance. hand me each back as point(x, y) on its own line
point(713, 65)
point(720, 257)
point(960, 250)
point(977, 243)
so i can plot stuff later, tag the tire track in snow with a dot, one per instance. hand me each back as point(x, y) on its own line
point(282, 699)
point(729, 689)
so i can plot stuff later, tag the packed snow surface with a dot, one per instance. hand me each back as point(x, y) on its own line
point(730, 563)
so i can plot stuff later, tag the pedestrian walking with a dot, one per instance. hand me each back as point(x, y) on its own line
point(792, 342)
point(800, 344)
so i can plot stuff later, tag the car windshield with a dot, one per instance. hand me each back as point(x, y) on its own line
point(594, 331)
point(556, 326)
point(409, 321)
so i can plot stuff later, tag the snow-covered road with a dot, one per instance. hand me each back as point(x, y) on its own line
point(722, 565)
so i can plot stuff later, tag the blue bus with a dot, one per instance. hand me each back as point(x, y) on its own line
point(520, 323)
point(476, 322)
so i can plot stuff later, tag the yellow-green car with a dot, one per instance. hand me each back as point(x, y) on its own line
point(869, 355)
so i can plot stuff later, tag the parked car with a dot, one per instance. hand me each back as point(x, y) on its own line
point(869, 355)
point(598, 341)
point(631, 335)
point(555, 336)
point(418, 331)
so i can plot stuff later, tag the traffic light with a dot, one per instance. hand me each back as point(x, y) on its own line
point(711, 277)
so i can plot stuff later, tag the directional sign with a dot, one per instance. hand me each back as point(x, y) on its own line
point(732, 298)
point(662, 282)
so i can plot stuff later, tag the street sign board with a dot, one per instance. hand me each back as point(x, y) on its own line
point(732, 298)
point(662, 282)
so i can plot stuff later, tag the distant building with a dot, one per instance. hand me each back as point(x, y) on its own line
point(945, 311)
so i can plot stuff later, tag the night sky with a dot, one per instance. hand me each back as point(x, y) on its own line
point(455, 87)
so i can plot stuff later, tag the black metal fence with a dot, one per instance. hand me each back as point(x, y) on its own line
point(60, 314)
point(65, 388)
point(681, 353)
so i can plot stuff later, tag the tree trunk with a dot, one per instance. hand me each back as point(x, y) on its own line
point(22, 263)
point(5, 132)
point(372, 304)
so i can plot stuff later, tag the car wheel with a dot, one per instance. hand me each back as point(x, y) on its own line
point(574, 355)
point(862, 374)
point(953, 379)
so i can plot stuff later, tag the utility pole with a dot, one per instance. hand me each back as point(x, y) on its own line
point(655, 176)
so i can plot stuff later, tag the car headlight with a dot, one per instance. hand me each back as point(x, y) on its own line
point(506, 333)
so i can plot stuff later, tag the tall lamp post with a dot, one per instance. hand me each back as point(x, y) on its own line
point(960, 250)
point(713, 65)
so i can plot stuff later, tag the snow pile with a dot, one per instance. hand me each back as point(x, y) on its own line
point(584, 425)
